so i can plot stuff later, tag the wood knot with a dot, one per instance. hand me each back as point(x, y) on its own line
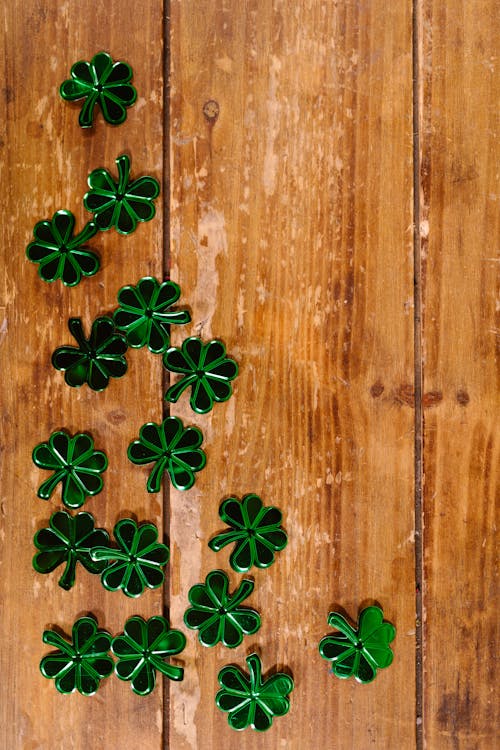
point(377, 389)
point(211, 111)
point(462, 397)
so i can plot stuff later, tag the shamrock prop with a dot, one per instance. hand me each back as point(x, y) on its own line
point(142, 650)
point(69, 540)
point(172, 448)
point(102, 82)
point(95, 360)
point(74, 463)
point(255, 529)
point(205, 368)
point(359, 652)
point(144, 313)
point(123, 203)
point(60, 254)
point(138, 562)
point(216, 614)
point(81, 664)
point(252, 701)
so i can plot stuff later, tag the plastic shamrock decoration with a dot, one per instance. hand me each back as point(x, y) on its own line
point(359, 652)
point(250, 700)
point(205, 368)
point(59, 253)
point(123, 203)
point(142, 650)
point(95, 360)
point(74, 463)
point(144, 313)
point(69, 540)
point(255, 529)
point(81, 664)
point(137, 563)
point(217, 615)
point(102, 82)
point(172, 448)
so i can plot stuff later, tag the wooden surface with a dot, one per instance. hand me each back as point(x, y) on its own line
point(286, 155)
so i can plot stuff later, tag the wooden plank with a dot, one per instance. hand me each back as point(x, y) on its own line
point(291, 236)
point(460, 222)
point(45, 161)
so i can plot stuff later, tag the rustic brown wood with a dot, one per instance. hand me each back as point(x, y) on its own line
point(459, 229)
point(45, 161)
point(291, 235)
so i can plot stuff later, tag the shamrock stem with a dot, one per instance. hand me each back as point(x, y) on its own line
point(255, 669)
point(221, 540)
point(169, 670)
point(177, 389)
point(340, 623)
point(76, 330)
point(87, 111)
point(46, 488)
point(154, 482)
point(244, 589)
point(51, 638)
point(107, 553)
point(179, 317)
point(89, 230)
point(123, 164)
point(67, 580)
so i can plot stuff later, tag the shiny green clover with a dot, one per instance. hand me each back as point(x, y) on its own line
point(74, 463)
point(359, 652)
point(217, 615)
point(144, 313)
point(205, 368)
point(137, 563)
point(95, 360)
point(142, 650)
point(102, 82)
point(173, 449)
point(69, 540)
point(59, 253)
point(252, 701)
point(123, 203)
point(255, 529)
point(81, 664)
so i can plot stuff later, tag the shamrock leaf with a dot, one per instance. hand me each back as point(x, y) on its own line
point(68, 540)
point(142, 650)
point(95, 360)
point(120, 204)
point(144, 315)
point(81, 664)
point(74, 463)
point(255, 529)
point(359, 652)
point(59, 253)
point(205, 368)
point(102, 82)
point(216, 614)
point(172, 448)
point(138, 562)
point(252, 701)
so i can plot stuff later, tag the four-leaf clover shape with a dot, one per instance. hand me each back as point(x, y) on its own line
point(250, 700)
point(69, 540)
point(137, 563)
point(123, 203)
point(359, 652)
point(255, 529)
point(142, 650)
point(59, 253)
point(74, 463)
point(81, 664)
point(102, 82)
point(217, 615)
point(205, 368)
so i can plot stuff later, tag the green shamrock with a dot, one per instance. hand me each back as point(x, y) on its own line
point(252, 701)
point(138, 562)
point(75, 464)
point(205, 368)
point(120, 204)
point(81, 664)
point(216, 614)
point(255, 529)
point(144, 313)
point(359, 652)
point(59, 253)
point(95, 360)
point(69, 540)
point(172, 448)
point(103, 82)
point(142, 650)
